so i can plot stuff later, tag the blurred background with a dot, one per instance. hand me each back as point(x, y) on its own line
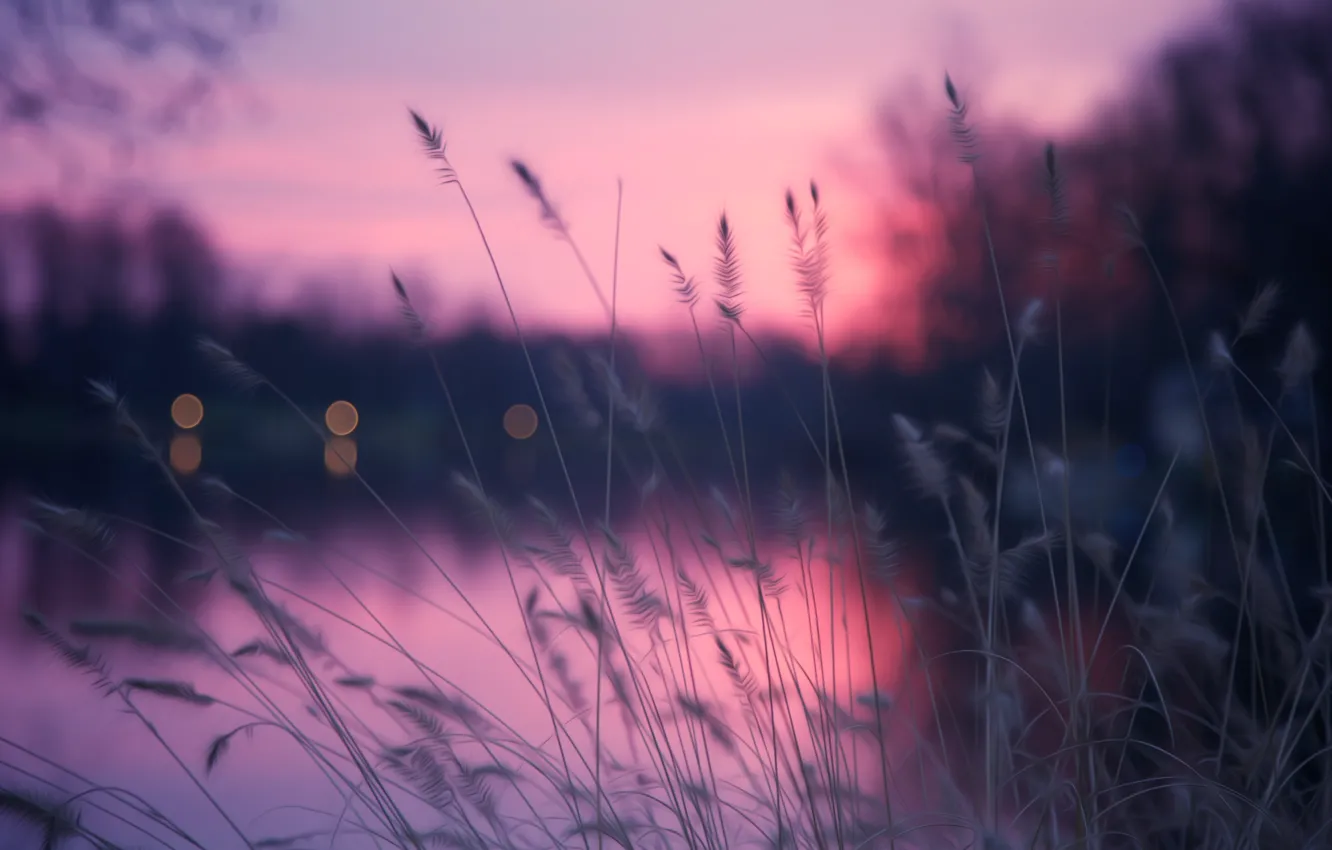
point(246, 171)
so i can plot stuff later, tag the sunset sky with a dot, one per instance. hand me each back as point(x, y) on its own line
point(698, 105)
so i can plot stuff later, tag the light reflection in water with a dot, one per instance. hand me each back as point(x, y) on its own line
point(185, 453)
point(61, 717)
point(340, 456)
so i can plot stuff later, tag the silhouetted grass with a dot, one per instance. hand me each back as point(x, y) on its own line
point(763, 669)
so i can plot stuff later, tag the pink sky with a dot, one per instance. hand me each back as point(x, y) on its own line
point(696, 104)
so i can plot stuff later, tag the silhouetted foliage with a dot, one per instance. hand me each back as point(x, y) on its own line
point(115, 66)
point(1222, 152)
point(126, 301)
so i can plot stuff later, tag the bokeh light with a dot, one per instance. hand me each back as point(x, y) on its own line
point(341, 418)
point(185, 453)
point(340, 456)
point(520, 421)
point(187, 411)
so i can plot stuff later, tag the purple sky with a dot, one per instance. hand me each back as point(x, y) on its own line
point(697, 104)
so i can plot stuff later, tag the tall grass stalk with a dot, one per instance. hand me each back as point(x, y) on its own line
point(970, 711)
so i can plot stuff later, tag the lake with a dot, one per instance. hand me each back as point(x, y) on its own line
point(159, 609)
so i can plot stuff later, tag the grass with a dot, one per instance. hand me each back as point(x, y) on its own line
point(763, 669)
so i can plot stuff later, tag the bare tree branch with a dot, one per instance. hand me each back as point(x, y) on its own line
point(116, 67)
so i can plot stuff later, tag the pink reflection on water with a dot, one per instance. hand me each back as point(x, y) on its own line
point(362, 596)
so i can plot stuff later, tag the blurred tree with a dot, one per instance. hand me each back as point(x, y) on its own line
point(117, 68)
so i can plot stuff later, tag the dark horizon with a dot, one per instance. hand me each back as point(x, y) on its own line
point(1226, 176)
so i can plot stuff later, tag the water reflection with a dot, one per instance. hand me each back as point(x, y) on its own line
point(185, 453)
point(340, 456)
point(354, 598)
